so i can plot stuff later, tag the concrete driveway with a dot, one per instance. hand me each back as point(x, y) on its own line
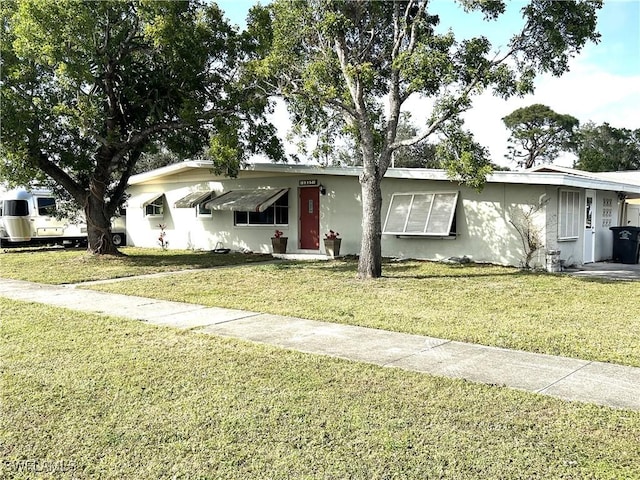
point(608, 271)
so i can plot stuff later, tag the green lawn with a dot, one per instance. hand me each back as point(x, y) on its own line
point(98, 397)
point(74, 265)
point(504, 307)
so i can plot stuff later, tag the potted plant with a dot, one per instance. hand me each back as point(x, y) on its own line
point(278, 242)
point(332, 244)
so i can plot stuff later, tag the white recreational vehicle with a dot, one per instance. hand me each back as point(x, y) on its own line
point(29, 217)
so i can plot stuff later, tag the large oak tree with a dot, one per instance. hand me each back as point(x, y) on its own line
point(88, 87)
point(349, 67)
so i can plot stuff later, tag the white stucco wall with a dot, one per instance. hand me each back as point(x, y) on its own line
point(483, 219)
point(633, 215)
point(484, 231)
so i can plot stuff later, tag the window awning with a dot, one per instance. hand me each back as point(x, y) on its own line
point(148, 198)
point(246, 200)
point(193, 199)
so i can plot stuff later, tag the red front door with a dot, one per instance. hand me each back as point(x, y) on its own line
point(310, 218)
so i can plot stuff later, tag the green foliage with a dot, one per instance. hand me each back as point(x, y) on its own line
point(465, 160)
point(88, 87)
point(554, 32)
point(358, 63)
point(422, 155)
point(538, 134)
point(358, 58)
point(155, 158)
point(603, 148)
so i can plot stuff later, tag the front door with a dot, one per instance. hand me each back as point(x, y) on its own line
point(309, 218)
point(589, 227)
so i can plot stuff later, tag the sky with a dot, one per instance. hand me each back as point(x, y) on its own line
point(602, 85)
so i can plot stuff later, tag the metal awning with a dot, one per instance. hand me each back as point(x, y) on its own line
point(246, 200)
point(193, 199)
point(148, 198)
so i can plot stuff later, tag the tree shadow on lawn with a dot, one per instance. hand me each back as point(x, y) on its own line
point(394, 269)
point(194, 260)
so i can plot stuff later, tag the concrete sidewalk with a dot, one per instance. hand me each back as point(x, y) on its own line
point(570, 379)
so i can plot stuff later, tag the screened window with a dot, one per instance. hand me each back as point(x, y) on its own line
point(46, 206)
point(569, 215)
point(276, 214)
point(426, 214)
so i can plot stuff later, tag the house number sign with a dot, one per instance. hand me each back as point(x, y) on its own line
point(307, 183)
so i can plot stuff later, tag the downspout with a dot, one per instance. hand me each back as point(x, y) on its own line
point(622, 209)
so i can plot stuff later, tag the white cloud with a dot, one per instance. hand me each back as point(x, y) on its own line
point(586, 92)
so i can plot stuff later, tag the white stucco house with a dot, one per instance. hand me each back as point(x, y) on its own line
point(424, 214)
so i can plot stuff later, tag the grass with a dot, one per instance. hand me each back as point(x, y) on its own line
point(86, 396)
point(56, 266)
point(503, 307)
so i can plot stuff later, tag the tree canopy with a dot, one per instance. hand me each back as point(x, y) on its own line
point(603, 148)
point(88, 87)
point(349, 67)
point(538, 134)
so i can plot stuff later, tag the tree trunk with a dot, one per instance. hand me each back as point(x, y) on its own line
point(99, 237)
point(370, 262)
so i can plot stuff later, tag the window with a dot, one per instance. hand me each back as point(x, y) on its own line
point(16, 208)
point(46, 206)
point(202, 209)
point(155, 208)
point(568, 215)
point(423, 214)
point(276, 214)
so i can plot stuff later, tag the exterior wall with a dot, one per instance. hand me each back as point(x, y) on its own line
point(339, 211)
point(633, 215)
point(484, 231)
point(605, 214)
point(484, 221)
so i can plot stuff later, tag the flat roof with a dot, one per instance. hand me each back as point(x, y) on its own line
point(545, 175)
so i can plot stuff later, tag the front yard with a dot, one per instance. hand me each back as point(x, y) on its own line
point(57, 265)
point(504, 307)
point(86, 396)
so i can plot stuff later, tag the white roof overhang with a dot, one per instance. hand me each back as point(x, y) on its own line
point(549, 175)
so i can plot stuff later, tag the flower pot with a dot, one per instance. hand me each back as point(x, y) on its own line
point(332, 247)
point(279, 244)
